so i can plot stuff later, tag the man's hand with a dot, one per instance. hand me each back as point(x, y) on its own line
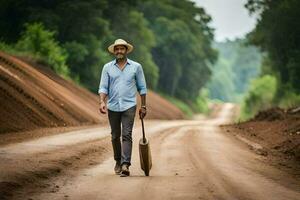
point(142, 112)
point(103, 108)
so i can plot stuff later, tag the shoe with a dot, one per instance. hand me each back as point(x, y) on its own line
point(118, 168)
point(125, 170)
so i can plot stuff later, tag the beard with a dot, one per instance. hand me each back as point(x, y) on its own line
point(120, 56)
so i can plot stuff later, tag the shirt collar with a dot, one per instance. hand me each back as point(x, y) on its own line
point(128, 61)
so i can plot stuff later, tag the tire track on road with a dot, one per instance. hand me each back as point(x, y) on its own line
point(48, 169)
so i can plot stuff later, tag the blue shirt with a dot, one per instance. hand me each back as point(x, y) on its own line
point(121, 85)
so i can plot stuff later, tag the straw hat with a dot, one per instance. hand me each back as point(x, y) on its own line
point(120, 42)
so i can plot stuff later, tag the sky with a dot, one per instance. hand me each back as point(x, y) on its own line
point(230, 18)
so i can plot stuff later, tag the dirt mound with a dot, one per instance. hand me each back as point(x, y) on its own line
point(271, 114)
point(34, 97)
point(277, 130)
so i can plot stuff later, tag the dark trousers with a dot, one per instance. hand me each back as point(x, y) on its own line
point(122, 153)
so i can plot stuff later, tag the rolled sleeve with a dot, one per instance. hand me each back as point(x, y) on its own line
point(141, 81)
point(103, 86)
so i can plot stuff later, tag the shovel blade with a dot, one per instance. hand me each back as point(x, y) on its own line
point(145, 156)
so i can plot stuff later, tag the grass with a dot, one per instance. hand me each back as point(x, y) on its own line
point(185, 108)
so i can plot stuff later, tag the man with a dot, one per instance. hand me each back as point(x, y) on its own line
point(120, 80)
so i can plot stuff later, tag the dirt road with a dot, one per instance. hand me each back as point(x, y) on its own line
point(191, 160)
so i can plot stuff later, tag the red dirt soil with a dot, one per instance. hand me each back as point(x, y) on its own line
point(277, 131)
point(33, 97)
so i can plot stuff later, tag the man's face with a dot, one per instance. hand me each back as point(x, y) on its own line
point(120, 51)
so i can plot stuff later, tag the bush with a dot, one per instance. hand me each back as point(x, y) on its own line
point(202, 101)
point(185, 108)
point(190, 108)
point(40, 43)
point(259, 97)
point(288, 97)
point(7, 48)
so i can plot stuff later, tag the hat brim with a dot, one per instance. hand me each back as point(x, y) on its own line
point(129, 47)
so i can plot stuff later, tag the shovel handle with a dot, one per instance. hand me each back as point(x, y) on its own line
point(144, 138)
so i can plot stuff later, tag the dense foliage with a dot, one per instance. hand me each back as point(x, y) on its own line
point(278, 34)
point(172, 38)
point(260, 96)
point(237, 65)
point(41, 44)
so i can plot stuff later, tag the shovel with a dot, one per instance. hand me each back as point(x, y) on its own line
point(145, 154)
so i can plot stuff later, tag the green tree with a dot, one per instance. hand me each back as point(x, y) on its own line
point(221, 84)
point(79, 24)
point(136, 31)
point(237, 65)
point(40, 43)
point(176, 52)
point(260, 96)
point(279, 38)
point(183, 51)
